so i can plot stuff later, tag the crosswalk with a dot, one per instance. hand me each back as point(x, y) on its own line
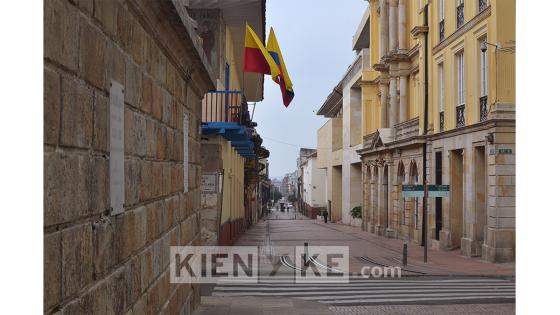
point(359, 291)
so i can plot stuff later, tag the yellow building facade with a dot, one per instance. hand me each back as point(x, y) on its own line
point(471, 123)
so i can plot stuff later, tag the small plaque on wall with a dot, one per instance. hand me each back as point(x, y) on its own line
point(116, 147)
point(209, 183)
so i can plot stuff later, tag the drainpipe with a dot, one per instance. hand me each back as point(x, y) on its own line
point(424, 151)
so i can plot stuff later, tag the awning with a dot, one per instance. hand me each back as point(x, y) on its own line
point(236, 134)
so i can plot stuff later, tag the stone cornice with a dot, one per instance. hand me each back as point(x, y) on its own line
point(462, 30)
point(417, 30)
point(164, 22)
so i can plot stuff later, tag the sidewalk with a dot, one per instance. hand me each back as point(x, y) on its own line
point(439, 262)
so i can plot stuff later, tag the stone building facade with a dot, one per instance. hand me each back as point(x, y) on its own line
point(123, 83)
point(471, 124)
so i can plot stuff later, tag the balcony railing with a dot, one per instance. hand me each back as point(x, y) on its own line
point(441, 121)
point(225, 106)
point(441, 30)
point(483, 108)
point(460, 115)
point(482, 4)
point(460, 15)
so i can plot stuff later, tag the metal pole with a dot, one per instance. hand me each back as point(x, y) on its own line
point(424, 153)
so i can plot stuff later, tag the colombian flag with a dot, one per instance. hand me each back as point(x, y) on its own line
point(257, 59)
point(283, 79)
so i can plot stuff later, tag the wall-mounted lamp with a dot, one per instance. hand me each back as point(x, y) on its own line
point(490, 138)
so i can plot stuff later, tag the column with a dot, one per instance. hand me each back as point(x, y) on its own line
point(383, 122)
point(383, 28)
point(393, 24)
point(403, 106)
point(393, 112)
point(402, 24)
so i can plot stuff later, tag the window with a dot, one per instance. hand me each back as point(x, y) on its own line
point(460, 79)
point(482, 4)
point(441, 96)
point(460, 13)
point(460, 109)
point(441, 20)
point(483, 71)
point(483, 105)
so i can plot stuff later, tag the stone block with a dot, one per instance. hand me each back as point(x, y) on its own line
point(77, 108)
point(167, 107)
point(138, 44)
point(134, 133)
point(168, 208)
point(115, 67)
point(52, 270)
point(123, 26)
point(133, 280)
point(157, 179)
point(127, 234)
point(166, 178)
point(147, 94)
point(104, 12)
point(99, 197)
point(60, 33)
point(151, 138)
point(157, 101)
point(81, 305)
point(169, 144)
point(100, 297)
point(105, 243)
point(140, 307)
point(161, 142)
point(132, 181)
point(147, 267)
point(133, 84)
point(146, 188)
point(117, 292)
point(51, 106)
point(86, 6)
point(140, 227)
point(100, 123)
point(154, 220)
point(92, 54)
point(77, 262)
point(65, 187)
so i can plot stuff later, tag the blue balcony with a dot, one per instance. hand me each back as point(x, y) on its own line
point(225, 113)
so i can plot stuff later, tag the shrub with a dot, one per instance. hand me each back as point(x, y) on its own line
point(356, 212)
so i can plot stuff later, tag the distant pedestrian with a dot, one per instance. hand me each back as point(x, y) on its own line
point(325, 215)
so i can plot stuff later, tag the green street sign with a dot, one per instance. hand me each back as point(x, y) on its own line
point(412, 191)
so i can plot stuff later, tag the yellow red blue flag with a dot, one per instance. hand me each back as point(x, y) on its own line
point(283, 79)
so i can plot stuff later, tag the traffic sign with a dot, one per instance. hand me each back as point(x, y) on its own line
point(411, 191)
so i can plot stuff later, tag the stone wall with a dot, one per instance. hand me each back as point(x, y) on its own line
point(95, 262)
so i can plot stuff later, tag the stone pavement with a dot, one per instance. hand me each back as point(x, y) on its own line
point(463, 309)
point(260, 306)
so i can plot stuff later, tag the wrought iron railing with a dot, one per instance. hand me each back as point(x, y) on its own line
point(482, 4)
point(483, 108)
point(460, 116)
point(441, 121)
point(441, 30)
point(224, 106)
point(460, 15)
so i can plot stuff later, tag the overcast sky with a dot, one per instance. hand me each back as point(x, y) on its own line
point(315, 37)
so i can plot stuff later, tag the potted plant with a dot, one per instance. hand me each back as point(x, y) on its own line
point(356, 214)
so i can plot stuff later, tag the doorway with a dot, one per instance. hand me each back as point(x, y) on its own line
point(439, 200)
point(480, 198)
point(456, 209)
